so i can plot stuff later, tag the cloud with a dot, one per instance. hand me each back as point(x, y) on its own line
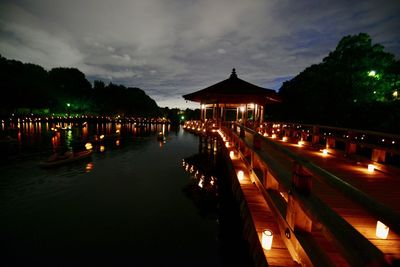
point(221, 51)
point(170, 48)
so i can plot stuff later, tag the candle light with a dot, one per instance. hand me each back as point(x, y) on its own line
point(240, 175)
point(266, 240)
point(382, 230)
point(371, 167)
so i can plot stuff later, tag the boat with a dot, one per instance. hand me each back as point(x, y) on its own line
point(160, 136)
point(58, 160)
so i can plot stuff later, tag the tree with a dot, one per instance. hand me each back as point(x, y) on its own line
point(356, 76)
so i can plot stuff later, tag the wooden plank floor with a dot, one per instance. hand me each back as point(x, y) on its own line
point(263, 218)
point(381, 186)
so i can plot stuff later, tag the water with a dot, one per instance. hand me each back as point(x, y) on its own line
point(131, 205)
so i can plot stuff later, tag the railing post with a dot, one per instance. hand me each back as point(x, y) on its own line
point(378, 155)
point(257, 141)
point(301, 179)
point(242, 132)
point(315, 136)
point(330, 142)
point(351, 147)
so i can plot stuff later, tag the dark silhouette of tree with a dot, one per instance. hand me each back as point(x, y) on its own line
point(66, 90)
point(348, 88)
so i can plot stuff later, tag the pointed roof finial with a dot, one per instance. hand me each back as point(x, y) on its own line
point(233, 74)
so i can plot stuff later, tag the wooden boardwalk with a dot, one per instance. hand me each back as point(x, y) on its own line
point(333, 224)
point(263, 218)
point(381, 186)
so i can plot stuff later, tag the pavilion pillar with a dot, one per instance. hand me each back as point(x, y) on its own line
point(224, 113)
point(201, 112)
point(237, 114)
point(261, 114)
point(246, 114)
point(213, 116)
point(217, 113)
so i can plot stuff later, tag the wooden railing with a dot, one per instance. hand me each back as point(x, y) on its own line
point(357, 249)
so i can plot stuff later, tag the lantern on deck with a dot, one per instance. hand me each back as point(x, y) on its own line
point(382, 230)
point(371, 167)
point(240, 175)
point(266, 240)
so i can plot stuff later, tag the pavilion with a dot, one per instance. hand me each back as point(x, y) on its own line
point(233, 99)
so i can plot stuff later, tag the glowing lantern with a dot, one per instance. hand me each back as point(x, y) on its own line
point(371, 167)
point(266, 240)
point(242, 108)
point(102, 136)
point(117, 142)
point(88, 146)
point(102, 148)
point(240, 175)
point(231, 154)
point(265, 134)
point(324, 152)
point(284, 139)
point(117, 131)
point(300, 143)
point(227, 144)
point(382, 230)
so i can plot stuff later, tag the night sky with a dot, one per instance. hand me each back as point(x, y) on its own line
point(174, 47)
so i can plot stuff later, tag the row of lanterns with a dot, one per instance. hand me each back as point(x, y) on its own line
point(267, 234)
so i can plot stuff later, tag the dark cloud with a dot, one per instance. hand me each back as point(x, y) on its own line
point(173, 47)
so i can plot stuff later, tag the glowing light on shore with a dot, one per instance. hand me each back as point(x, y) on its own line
point(88, 146)
point(371, 167)
point(266, 240)
point(382, 231)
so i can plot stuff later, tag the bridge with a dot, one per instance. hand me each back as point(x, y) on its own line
point(309, 195)
point(323, 208)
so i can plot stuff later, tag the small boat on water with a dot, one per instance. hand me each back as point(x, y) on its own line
point(58, 160)
point(160, 136)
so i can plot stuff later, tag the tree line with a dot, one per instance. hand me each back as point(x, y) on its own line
point(28, 87)
point(357, 86)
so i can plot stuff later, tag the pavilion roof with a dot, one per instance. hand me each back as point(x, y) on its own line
point(234, 91)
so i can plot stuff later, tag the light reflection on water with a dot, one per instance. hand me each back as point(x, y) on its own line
point(124, 205)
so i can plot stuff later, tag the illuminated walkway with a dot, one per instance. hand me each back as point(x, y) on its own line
point(381, 186)
point(322, 208)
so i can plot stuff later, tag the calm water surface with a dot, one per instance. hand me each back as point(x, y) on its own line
point(133, 204)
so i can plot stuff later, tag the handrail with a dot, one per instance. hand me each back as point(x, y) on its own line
point(380, 211)
point(336, 128)
point(354, 245)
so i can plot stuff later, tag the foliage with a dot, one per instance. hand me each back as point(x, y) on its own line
point(356, 77)
point(66, 90)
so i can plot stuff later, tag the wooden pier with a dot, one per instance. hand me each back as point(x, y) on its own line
point(322, 207)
